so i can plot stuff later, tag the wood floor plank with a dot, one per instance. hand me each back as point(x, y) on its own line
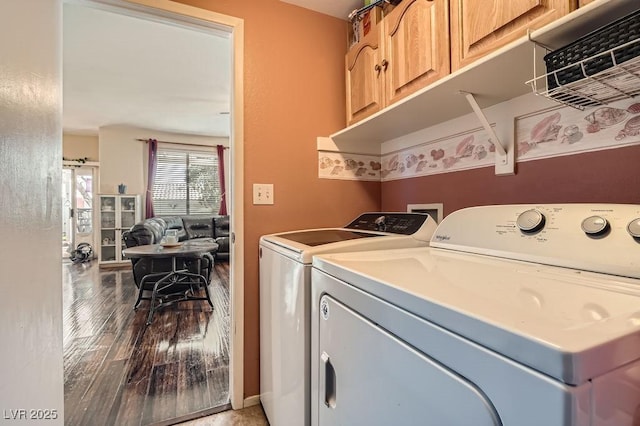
point(124, 345)
point(188, 319)
point(193, 389)
point(161, 399)
point(78, 393)
point(166, 326)
point(118, 371)
point(103, 393)
point(128, 404)
point(218, 392)
point(74, 351)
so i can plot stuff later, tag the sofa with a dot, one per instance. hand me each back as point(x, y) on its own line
point(152, 230)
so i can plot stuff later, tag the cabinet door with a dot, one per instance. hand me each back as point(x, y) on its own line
point(416, 43)
point(479, 27)
point(128, 212)
point(118, 213)
point(108, 228)
point(364, 78)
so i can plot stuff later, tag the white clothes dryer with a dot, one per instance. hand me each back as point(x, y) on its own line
point(285, 300)
point(515, 315)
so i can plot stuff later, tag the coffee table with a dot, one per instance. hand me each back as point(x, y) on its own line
point(176, 285)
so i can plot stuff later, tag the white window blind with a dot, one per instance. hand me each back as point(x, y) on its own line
point(187, 182)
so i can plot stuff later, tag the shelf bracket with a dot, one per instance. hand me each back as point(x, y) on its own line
point(504, 158)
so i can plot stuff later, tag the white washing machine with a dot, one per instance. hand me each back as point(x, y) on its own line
point(515, 315)
point(285, 300)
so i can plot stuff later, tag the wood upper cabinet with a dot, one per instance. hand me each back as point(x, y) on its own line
point(364, 78)
point(408, 50)
point(479, 27)
point(416, 46)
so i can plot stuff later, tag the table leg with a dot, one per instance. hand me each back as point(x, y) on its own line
point(206, 290)
point(172, 277)
point(204, 282)
point(154, 293)
point(143, 281)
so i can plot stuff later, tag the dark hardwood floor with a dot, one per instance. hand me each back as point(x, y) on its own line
point(117, 371)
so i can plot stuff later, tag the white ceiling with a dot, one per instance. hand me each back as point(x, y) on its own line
point(125, 70)
point(338, 8)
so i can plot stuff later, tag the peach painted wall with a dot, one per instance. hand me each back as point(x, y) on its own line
point(80, 146)
point(608, 176)
point(293, 92)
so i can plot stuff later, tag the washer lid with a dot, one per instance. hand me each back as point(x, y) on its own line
point(303, 251)
point(319, 237)
point(570, 324)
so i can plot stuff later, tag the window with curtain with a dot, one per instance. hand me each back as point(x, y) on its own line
point(186, 182)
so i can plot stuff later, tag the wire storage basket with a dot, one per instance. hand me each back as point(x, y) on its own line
point(601, 67)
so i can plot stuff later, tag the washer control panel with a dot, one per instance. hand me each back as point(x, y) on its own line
point(394, 223)
point(594, 237)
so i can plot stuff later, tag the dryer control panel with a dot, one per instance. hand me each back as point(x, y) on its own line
point(394, 223)
point(594, 237)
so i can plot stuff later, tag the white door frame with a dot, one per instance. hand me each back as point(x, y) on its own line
point(180, 13)
point(76, 238)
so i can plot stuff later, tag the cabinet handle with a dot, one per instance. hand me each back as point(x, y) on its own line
point(377, 68)
point(385, 64)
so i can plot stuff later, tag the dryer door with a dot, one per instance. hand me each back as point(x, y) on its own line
point(369, 377)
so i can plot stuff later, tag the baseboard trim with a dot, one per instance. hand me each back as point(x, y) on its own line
point(251, 401)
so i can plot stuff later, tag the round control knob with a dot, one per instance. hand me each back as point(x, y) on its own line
point(530, 221)
point(634, 228)
point(381, 224)
point(595, 225)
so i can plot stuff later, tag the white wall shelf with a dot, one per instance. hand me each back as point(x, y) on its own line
point(495, 78)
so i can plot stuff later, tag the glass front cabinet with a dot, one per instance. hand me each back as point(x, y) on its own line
point(118, 213)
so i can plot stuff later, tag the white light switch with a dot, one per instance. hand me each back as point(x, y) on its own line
point(262, 193)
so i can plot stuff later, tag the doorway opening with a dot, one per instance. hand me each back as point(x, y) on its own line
point(166, 11)
point(78, 186)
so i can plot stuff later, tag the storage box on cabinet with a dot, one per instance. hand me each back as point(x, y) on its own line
point(362, 26)
point(480, 27)
point(407, 51)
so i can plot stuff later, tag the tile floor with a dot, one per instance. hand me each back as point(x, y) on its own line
point(252, 416)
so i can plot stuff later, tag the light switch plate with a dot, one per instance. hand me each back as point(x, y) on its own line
point(262, 193)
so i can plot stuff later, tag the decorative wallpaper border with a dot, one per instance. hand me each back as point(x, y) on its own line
point(565, 130)
point(545, 133)
point(338, 165)
point(462, 151)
